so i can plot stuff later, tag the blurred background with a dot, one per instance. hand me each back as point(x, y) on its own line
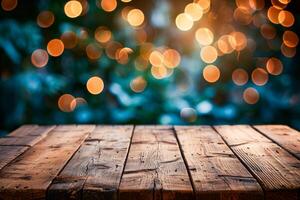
point(149, 62)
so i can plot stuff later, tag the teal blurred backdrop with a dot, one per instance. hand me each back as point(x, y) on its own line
point(134, 91)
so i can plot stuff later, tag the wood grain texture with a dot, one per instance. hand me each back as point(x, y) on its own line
point(27, 135)
point(155, 168)
point(28, 176)
point(20, 140)
point(284, 136)
point(95, 171)
point(9, 153)
point(216, 172)
point(275, 169)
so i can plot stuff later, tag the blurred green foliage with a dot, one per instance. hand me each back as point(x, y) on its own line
point(30, 95)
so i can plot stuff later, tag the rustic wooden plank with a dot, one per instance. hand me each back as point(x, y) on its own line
point(8, 153)
point(216, 172)
point(23, 130)
point(284, 136)
point(28, 176)
point(276, 170)
point(154, 167)
point(95, 170)
point(27, 135)
point(19, 141)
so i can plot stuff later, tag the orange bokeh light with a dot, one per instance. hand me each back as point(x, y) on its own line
point(171, 58)
point(135, 17)
point(55, 47)
point(45, 19)
point(286, 18)
point(278, 4)
point(102, 34)
point(73, 8)
point(251, 96)
point(194, 10)
point(273, 14)
point(240, 77)
point(204, 36)
point(274, 66)
point(156, 58)
point(95, 85)
point(268, 31)
point(138, 84)
point(259, 76)
point(242, 15)
point(290, 39)
point(226, 44)
point(211, 73)
point(66, 103)
point(205, 5)
point(112, 48)
point(160, 72)
point(39, 58)
point(93, 52)
point(288, 52)
point(209, 54)
point(69, 39)
point(109, 5)
point(9, 5)
point(240, 40)
point(184, 22)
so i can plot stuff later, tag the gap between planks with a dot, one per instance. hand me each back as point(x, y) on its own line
point(155, 168)
point(29, 176)
point(94, 171)
point(263, 139)
point(274, 167)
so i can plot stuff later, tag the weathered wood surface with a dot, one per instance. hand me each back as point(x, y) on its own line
point(284, 136)
point(155, 168)
point(96, 168)
point(29, 175)
point(216, 172)
point(150, 162)
point(20, 140)
point(27, 135)
point(277, 171)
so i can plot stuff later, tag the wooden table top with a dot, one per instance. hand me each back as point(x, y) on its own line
point(150, 162)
